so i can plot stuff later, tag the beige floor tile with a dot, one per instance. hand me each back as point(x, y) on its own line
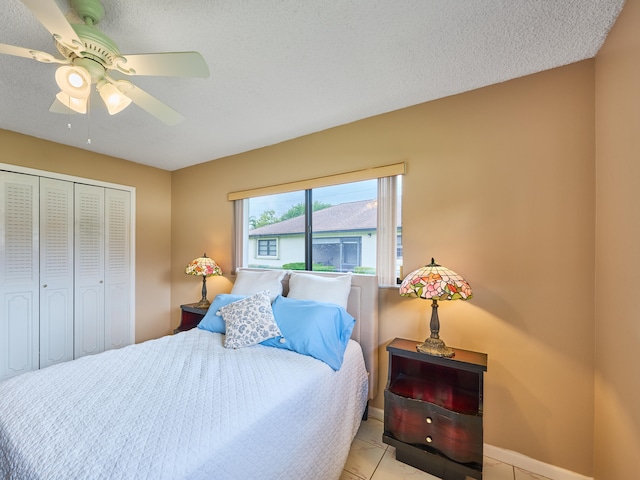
point(524, 475)
point(371, 459)
point(371, 431)
point(350, 476)
point(495, 470)
point(363, 458)
point(392, 469)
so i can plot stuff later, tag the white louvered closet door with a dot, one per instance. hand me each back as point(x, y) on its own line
point(89, 270)
point(118, 321)
point(56, 271)
point(19, 265)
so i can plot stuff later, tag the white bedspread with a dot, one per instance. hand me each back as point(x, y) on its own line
point(179, 407)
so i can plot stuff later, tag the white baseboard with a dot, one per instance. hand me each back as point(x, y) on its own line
point(531, 464)
point(512, 458)
point(376, 413)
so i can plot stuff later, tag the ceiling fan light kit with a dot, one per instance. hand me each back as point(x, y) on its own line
point(113, 98)
point(74, 81)
point(78, 105)
point(89, 55)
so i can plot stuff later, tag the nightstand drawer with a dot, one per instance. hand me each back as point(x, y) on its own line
point(420, 423)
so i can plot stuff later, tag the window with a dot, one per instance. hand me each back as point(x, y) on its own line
point(344, 223)
point(278, 219)
point(338, 254)
point(333, 227)
point(268, 247)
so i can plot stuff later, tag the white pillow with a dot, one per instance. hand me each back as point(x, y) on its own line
point(249, 282)
point(321, 289)
point(249, 321)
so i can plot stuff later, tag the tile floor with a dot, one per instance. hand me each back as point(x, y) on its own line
point(370, 459)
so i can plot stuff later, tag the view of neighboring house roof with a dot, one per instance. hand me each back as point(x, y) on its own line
point(360, 215)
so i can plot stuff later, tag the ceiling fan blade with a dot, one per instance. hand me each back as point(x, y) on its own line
point(170, 64)
point(149, 103)
point(52, 18)
point(31, 54)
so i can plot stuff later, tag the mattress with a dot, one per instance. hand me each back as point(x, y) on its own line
point(183, 407)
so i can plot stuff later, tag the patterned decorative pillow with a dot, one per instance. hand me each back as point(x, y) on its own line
point(249, 321)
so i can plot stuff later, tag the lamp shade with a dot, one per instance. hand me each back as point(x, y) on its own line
point(78, 105)
point(203, 266)
point(74, 81)
point(115, 101)
point(435, 282)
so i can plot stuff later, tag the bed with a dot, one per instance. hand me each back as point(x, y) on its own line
point(184, 406)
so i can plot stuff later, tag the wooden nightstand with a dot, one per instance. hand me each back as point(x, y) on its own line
point(191, 316)
point(433, 410)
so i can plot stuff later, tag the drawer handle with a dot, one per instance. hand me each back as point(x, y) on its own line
point(429, 420)
point(429, 439)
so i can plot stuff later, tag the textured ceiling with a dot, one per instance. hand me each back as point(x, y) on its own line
point(285, 68)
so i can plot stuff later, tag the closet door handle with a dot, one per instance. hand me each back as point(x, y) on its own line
point(44, 286)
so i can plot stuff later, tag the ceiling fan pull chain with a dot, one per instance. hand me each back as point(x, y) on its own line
point(68, 117)
point(89, 121)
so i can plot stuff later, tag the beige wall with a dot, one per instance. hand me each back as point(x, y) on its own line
point(153, 215)
point(617, 369)
point(500, 188)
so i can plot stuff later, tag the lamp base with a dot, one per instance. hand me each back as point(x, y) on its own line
point(204, 303)
point(435, 347)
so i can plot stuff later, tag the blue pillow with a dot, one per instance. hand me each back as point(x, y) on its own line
point(215, 323)
point(319, 330)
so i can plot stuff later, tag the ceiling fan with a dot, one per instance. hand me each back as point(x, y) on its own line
point(89, 57)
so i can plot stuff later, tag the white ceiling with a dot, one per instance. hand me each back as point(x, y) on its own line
point(285, 68)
